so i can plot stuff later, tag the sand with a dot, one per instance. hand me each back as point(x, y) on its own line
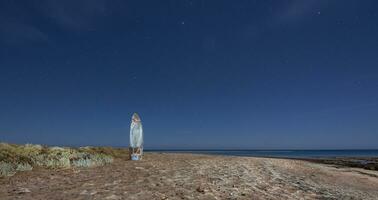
point(187, 176)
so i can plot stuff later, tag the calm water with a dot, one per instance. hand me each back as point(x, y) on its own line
point(283, 153)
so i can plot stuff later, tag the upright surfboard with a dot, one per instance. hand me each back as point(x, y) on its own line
point(136, 138)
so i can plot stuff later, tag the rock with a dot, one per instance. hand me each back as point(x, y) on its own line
point(84, 192)
point(200, 189)
point(113, 197)
point(22, 190)
point(88, 184)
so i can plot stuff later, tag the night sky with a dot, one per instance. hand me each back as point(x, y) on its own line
point(245, 74)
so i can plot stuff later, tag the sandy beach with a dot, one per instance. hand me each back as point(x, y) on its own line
point(188, 176)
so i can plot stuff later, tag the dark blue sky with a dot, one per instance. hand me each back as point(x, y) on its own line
point(201, 74)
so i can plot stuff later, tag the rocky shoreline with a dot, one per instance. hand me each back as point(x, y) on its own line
point(368, 163)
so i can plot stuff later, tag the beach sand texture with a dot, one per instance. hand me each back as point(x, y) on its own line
point(188, 176)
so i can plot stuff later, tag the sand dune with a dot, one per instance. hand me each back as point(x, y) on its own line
point(186, 176)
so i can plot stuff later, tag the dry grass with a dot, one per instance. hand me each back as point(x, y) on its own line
point(15, 158)
point(122, 153)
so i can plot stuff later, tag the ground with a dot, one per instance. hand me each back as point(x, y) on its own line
point(187, 176)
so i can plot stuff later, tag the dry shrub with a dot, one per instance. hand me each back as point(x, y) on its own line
point(15, 158)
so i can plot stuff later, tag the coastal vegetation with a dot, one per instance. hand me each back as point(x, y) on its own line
point(15, 158)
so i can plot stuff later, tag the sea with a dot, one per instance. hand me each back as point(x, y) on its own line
point(280, 153)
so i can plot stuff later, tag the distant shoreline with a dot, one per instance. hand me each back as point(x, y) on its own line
point(364, 162)
point(284, 153)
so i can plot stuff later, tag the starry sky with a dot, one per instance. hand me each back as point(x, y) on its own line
point(246, 74)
